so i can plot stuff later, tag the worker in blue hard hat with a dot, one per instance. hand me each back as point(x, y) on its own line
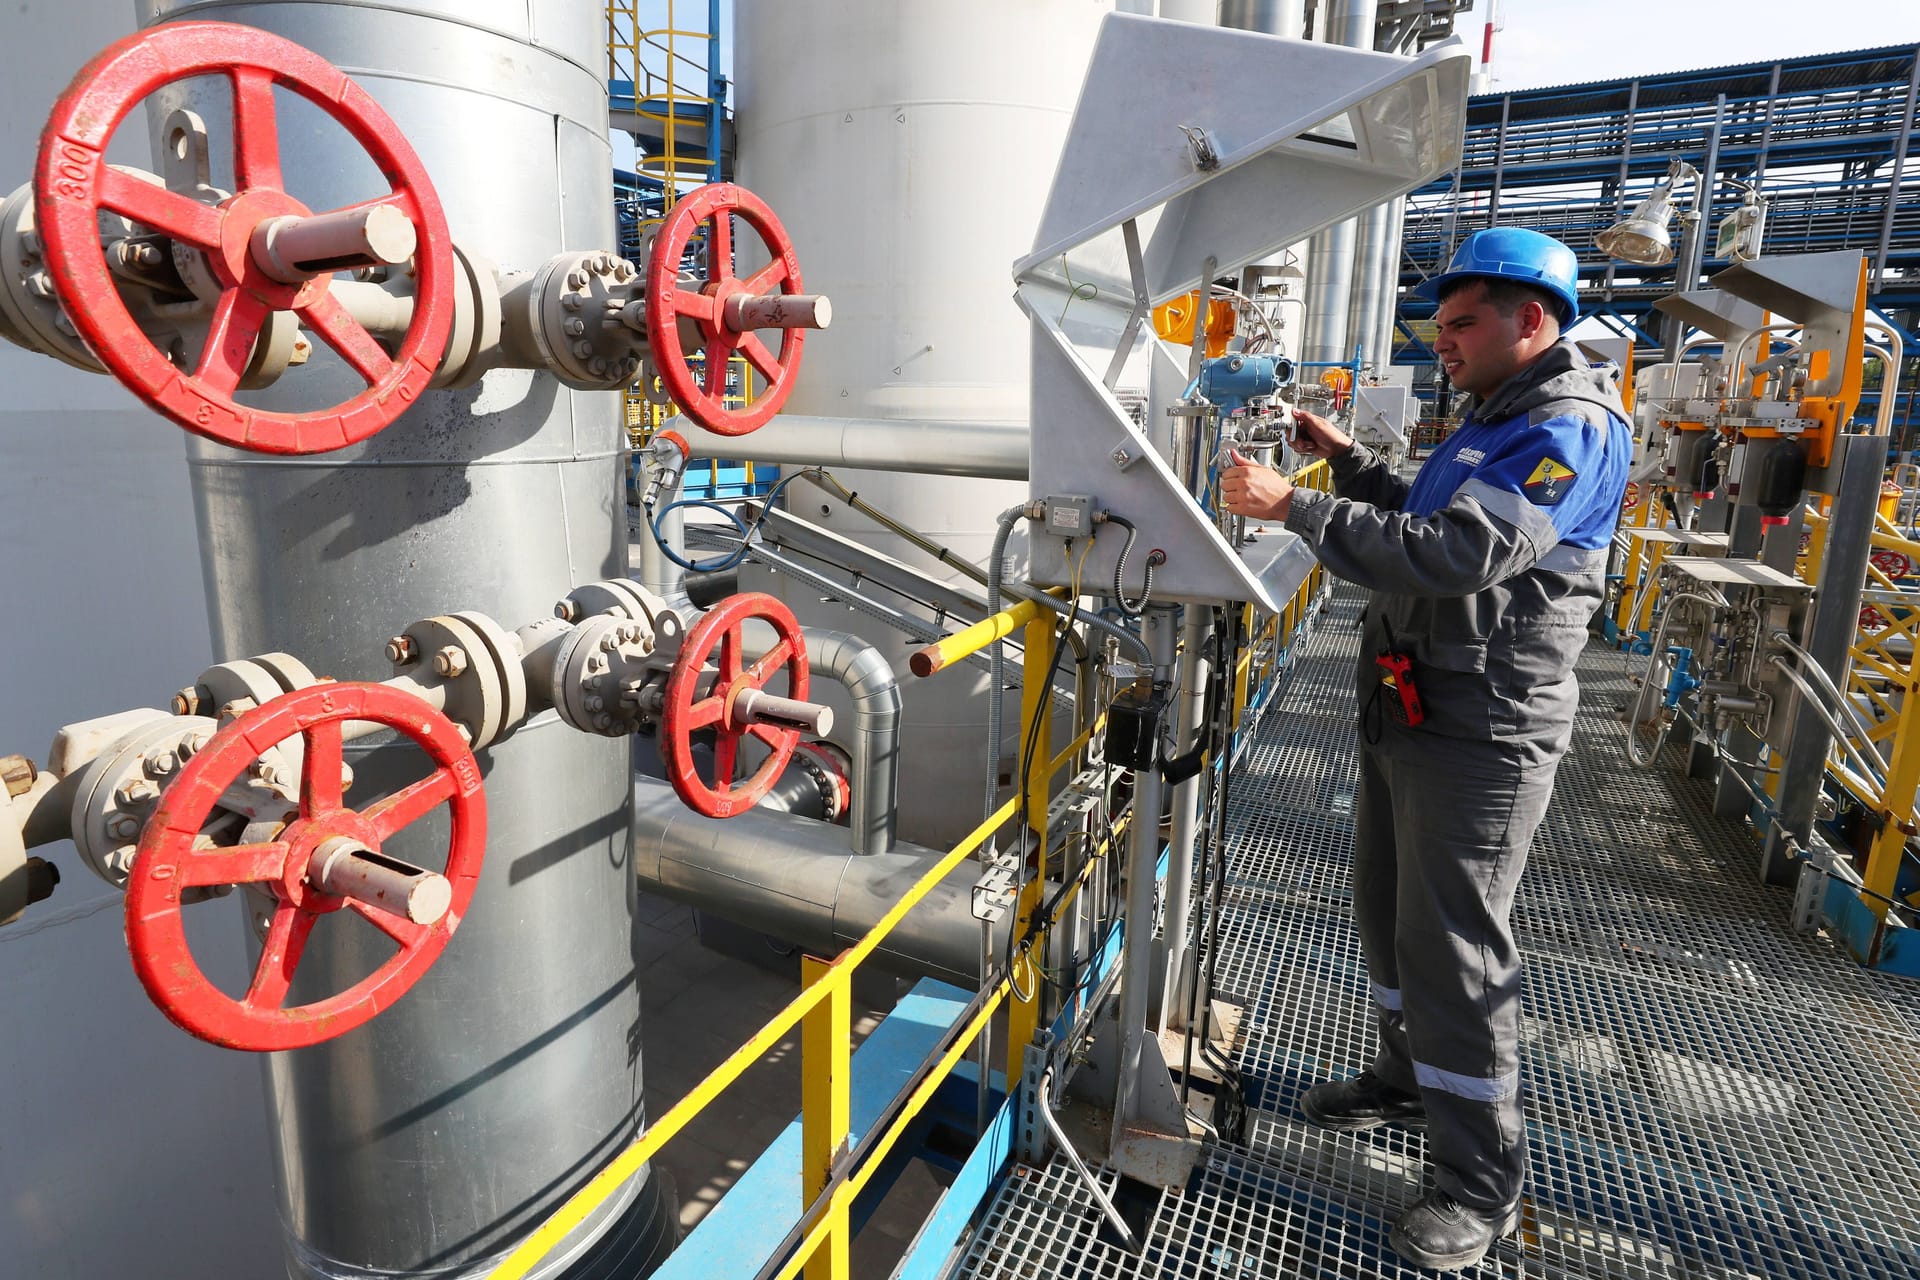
point(1485, 570)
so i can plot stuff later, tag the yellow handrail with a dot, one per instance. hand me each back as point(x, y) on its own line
point(834, 982)
point(942, 653)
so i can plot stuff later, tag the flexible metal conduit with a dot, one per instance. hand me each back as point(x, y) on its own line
point(1826, 682)
point(1840, 735)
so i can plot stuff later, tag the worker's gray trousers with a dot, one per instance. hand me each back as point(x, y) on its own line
point(1439, 846)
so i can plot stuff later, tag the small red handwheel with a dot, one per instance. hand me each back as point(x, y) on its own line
point(72, 183)
point(168, 862)
point(1893, 563)
point(704, 398)
point(722, 629)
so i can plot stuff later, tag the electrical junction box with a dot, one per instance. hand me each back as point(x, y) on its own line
point(1069, 515)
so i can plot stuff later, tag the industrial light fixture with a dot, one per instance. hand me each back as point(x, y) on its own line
point(1641, 238)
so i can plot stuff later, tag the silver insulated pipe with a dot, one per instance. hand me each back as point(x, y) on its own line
point(430, 1141)
point(1329, 327)
point(1274, 17)
point(863, 671)
point(797, 880)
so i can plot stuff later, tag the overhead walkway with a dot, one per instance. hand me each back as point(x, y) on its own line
point(1709, 1094)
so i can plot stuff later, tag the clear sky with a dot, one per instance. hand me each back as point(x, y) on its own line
point(1550, 42)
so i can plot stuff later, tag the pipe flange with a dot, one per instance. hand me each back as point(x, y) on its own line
point(577, 301)
point(624, 598)
point(482, 685)
point(27, 297)
point(288, 671)
point(117, 791)
point(600, 673)
point(829, 767)
point(505, 652)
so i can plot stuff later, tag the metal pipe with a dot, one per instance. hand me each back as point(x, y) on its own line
point(1329, 328)
point(1382, 344)
point(1739, 354)
point(1368, 287)
point(863, 672)
point(1118, 1223)
point(991, 450)
point(796, 880)
point(950, 649)
point(1274, 17)
point(1194, 670)
point(1143, 852)
point(1830, 633)
point(1891, 367)
point(1808, 691)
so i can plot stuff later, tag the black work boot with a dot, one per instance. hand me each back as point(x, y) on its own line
point(1440, 1233)
point(1363, 1102)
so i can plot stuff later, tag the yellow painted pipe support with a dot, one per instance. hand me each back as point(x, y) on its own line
point(944, 653)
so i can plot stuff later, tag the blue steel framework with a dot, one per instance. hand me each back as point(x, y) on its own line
point(1827, 139)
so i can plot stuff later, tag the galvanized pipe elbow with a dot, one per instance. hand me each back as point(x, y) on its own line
point(868, 678)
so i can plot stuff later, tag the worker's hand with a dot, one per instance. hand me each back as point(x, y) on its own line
point(1315, 437)
point(1249, 489)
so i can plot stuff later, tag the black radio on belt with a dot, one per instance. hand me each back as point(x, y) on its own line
point(1133, 727)
point(1396, 680)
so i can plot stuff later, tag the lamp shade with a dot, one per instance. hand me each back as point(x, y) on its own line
point(1641, 237)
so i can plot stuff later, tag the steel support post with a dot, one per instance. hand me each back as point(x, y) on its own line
point(1836, 619)
point(1143, 852)
point(1185, 805)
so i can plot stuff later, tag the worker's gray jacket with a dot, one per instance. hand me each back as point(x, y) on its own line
point(1487, 569)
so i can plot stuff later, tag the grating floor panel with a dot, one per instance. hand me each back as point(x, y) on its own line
point(1709, 1095)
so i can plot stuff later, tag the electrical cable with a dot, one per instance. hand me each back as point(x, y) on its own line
point(746, 533)
point(1130, 608)
point(1040, 712)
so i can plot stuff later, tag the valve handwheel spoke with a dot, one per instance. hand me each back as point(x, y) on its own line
point(280, 954)
point(241, 864)
point(169, 861)
point(237, 320)
point(256, 131)
point(347, 337)
point(720, 637)
point(321, 774)
point(410, 803)
point(703, 398)
point(72, 183)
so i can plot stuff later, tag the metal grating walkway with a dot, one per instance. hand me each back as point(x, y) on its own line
point(1709, 1095)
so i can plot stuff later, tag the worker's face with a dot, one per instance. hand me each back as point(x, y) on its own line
point(1480, 348)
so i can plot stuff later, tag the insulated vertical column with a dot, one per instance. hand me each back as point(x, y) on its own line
point(431, 1140)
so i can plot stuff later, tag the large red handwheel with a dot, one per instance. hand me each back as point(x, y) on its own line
point(168, 862)
point(704, 398)
point(722, 630)
point(72, 183)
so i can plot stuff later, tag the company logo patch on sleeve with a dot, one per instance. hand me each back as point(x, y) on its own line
point(1549, 482)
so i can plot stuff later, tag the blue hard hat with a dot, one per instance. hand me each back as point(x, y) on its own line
point(1513, 253)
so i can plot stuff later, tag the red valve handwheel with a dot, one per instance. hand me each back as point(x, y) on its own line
point(168, 863)
point(722, 629)
point(704, 399)
point(72, 183)
point(1893, 563)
